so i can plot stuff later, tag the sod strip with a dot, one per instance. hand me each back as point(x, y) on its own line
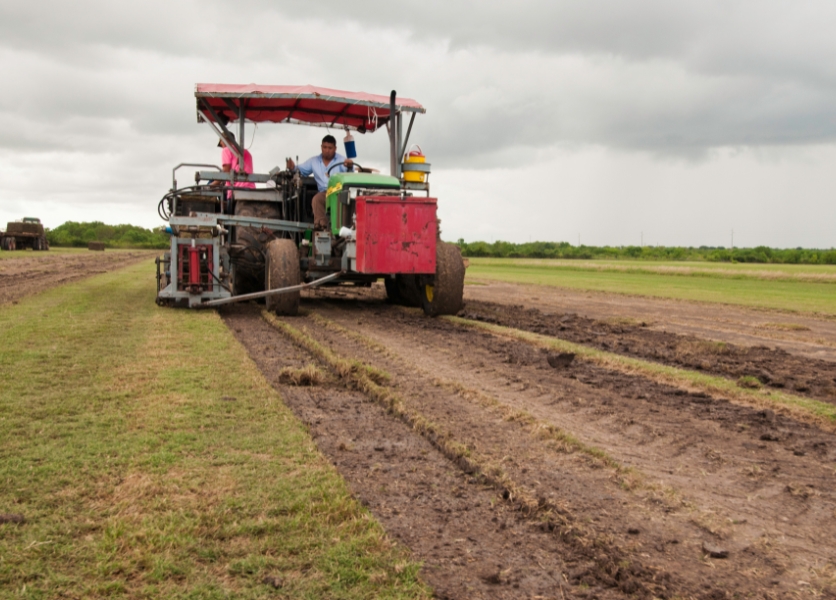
point(361, 377)
point(555, 438)
point(805, 409)
point(564, 441)
point(143, 455)
point(354, 373)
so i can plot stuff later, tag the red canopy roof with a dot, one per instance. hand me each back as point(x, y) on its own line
point(304, 104)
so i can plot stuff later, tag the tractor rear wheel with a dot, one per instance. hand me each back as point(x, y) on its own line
point(443, 294)
point(281, 271)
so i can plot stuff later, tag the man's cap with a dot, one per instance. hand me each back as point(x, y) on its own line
point(231, 136)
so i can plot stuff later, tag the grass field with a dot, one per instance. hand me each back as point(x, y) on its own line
point(150, 459)
point(802, 288)
point(5, 255)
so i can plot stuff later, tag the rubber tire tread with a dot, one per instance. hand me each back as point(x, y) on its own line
point(250, 262)
point(448, 285)
point(282, 270)
point(403, 290)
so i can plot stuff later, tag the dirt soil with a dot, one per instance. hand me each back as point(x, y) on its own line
point(579, 482)
point(808, 335)
point(762, 365)
point(29, 273)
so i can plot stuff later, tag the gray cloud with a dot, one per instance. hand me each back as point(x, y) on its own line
point(650, 75)
point(98, 94)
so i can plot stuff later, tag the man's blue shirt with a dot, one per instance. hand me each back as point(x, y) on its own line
point(317, 167)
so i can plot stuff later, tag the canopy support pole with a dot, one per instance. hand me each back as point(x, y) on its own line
point(393, 136)
point(406, 139)
point(236, 149)
point(241, 109)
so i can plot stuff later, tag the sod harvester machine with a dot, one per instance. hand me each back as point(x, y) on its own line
point(230, 243)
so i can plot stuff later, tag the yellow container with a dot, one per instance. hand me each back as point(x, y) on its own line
point(414, 156)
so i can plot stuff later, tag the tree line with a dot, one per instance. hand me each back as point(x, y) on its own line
point(72, 234)
point(759, 254)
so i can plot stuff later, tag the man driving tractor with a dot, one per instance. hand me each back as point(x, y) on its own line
point(318, 166)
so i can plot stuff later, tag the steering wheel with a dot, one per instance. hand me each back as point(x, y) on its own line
point(328, 172)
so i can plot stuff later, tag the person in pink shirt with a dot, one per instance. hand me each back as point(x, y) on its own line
point(229, 162)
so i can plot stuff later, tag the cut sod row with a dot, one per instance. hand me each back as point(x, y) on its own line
point(374, 384)
point(812, 411)
point(143, 455)
point(555, 438)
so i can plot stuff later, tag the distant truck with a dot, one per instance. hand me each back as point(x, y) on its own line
point(27, 233)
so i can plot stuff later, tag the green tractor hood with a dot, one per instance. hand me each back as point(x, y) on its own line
point(340, 182)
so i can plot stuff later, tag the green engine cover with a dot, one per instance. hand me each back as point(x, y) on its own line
point(342, 182)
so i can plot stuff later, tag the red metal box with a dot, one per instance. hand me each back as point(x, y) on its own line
point(396, 235)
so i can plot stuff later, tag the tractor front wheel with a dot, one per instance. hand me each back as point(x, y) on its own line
point(281, 271)
point(443, 293)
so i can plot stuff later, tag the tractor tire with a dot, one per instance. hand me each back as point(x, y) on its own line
point(393, 294)
point(403, 290)
point(443, 294)
point(250, 245)
point(281, 271)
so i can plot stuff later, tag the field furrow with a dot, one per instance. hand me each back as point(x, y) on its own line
point(635, 480)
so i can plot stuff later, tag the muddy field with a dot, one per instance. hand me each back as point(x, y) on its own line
point(28, 273)
point(513, 478)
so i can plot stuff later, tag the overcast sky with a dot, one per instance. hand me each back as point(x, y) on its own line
point(605, 122)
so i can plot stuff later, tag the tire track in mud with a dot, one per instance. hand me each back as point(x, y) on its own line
point(711, 451)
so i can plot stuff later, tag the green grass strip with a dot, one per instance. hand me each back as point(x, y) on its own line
point(151, 459)
point(779, 294)
point(814, 411)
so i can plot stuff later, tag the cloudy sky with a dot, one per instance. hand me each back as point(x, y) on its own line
point(605, 122)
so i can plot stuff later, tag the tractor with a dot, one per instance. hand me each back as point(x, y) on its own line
point(28, 233)
point(231, 243)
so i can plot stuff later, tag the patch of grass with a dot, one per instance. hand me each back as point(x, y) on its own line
point(820, 413)
point(151, 459)
point(785, 326)
point(704, 347)
point(749, 382)
point(308, 375)
point(788, 293)
point(29, 254)
point(626, 321)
